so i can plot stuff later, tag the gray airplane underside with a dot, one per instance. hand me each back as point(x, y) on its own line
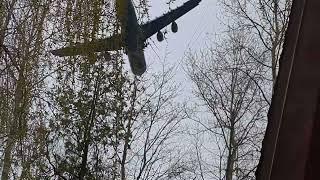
point(132, 37)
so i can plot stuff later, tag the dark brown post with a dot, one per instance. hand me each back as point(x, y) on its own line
point(291, 146)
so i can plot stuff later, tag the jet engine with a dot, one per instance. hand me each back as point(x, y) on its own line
point(174, 27)
point(160, 36)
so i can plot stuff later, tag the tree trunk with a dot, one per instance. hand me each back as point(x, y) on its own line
point(231, 155)
point(7, 158)
point(275, 43)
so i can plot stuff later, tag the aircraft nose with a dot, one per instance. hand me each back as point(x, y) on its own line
point(139, 71)
point(138, 67)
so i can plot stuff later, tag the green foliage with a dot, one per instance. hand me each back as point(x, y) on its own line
point(60, 117)
point(76, 117)
point(93, 104)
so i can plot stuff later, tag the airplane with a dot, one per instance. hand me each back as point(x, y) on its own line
point(132, 36)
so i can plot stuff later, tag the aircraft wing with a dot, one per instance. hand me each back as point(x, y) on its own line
point(111, 43)
point(157, 24)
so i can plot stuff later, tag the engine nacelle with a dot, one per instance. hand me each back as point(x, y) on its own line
point(174, 27)
point(160, 36)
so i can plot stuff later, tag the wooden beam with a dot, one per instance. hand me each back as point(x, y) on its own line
point(291, 145)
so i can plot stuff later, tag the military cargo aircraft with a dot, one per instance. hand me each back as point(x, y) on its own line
point(132, 36)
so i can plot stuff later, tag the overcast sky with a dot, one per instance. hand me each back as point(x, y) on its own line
point(195, 30)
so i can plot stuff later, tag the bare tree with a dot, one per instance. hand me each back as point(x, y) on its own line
point(234, 80)
point(155, 152)
point(227, 82)
point(268, 20)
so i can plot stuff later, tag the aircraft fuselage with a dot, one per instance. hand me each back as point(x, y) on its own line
point(134, 41)
point(132, 36)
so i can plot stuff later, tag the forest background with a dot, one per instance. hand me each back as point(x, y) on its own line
point(88, 117)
